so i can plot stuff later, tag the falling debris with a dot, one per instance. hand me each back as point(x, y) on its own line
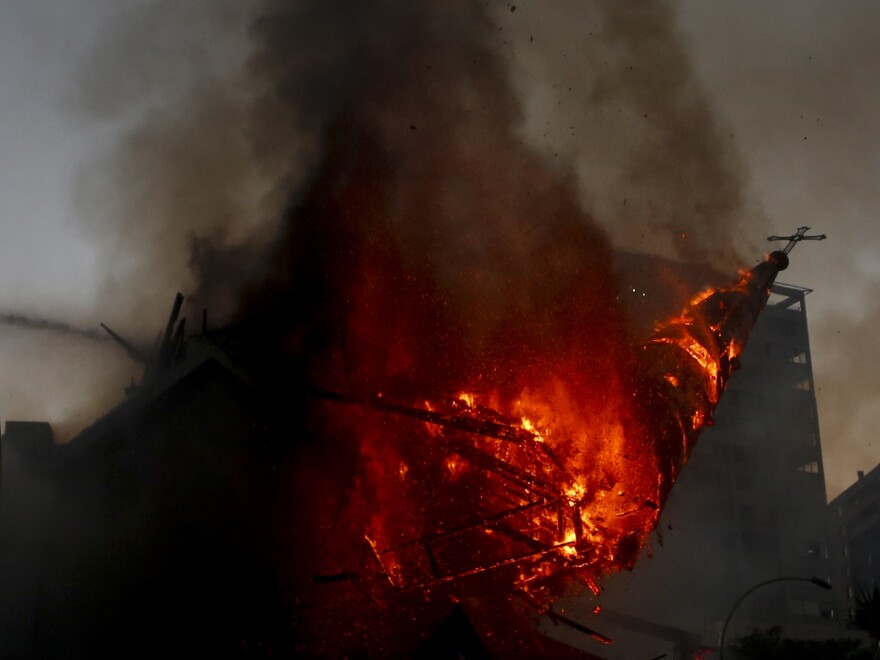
point(534, 493)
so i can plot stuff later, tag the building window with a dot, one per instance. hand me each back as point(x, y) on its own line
point(803, 385)
point(812, 467)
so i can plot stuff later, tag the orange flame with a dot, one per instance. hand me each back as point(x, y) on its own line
point(552, 482)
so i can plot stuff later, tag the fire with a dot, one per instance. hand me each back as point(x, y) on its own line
point(548, 481)
point(576, 491)
point(453, 465)
point(481, 421)
point(557, 486)
point(553, 490)
point(527, 425)
point(467, 398)
point(700, 297)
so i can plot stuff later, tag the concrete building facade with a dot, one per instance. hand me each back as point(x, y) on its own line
point(855, 516)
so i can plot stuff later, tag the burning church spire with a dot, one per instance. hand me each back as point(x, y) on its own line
point(540, 491)
point(688, 361)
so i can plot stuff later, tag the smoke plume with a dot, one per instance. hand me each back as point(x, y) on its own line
point(426, 210)
point(610, 88)
point(227, 125)
point(173, 197)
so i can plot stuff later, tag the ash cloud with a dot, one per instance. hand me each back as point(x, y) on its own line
point(172, 183)
point(94, 367)
point(162, 172)
point(66, 378)
point(222, 122)
point(216, 121)
point(218, 116)
point(610, 88)
point(426, 207)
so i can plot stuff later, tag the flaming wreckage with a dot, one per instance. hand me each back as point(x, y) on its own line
point(528, 496)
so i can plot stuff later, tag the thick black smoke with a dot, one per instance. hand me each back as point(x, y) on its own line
point(426, 207)
point(226, 125)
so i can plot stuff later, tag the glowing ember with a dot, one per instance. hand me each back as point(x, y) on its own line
point(467, 398)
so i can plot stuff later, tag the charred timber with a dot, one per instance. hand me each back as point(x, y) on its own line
point(167, 349)
point(462, 419)
point(134, 353)
point(586, 518)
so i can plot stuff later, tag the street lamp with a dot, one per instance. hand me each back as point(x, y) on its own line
point(812, 580)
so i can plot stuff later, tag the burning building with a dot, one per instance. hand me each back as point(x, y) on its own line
point(223, 506)
point(547, 501)
point(429, 398)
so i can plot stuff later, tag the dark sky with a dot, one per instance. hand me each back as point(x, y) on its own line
point(777, 104)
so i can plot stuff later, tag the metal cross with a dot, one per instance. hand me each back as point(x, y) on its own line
point(796, 238)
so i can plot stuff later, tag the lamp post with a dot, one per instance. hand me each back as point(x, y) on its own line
point(812, 580)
